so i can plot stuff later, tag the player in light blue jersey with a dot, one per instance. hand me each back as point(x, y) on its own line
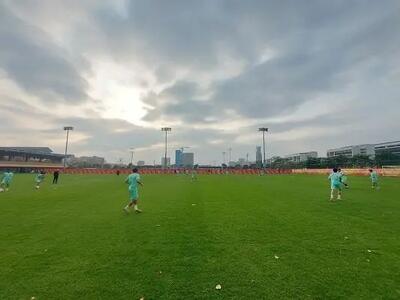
point(133, 180)
point(6, 180)
point(39, 179)
point(194, 174)
point(374, 179)
point(336, 184)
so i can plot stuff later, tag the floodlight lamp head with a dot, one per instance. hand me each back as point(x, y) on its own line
point(68, 128)
point(263, 129)
point(166, 129)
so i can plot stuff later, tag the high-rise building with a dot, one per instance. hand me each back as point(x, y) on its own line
point(187, 159)
point(258, 156)
point(178, 158)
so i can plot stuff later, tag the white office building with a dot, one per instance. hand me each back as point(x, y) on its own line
point(388, 147)
point(301, 157)
point(350, 151)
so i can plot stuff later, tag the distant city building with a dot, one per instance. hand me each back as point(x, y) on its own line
point(167, 164)
point(178, 158)
point(232, 164)
point(301, 157)
point(350, 151)
point(388, 147)
point(273, 159)
point(242, 162)
point(141, 163)
point(86, 161)
point(187, 159)
point(258, 156)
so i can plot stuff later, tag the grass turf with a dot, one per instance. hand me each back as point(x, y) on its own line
point(271, 237)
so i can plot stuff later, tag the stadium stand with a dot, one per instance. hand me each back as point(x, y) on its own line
point(29, 157)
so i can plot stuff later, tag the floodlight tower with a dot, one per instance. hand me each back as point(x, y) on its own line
point(67, 129)
point(223, 157)
point(230, 154)
point(263, 130)
point(166, 130)
point(131, 151)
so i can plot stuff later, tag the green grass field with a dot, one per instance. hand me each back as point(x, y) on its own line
point(272, 237)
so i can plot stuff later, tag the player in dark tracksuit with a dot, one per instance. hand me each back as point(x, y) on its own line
point(56, 173)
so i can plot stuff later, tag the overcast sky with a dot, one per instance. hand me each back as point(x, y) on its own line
point(319, 74)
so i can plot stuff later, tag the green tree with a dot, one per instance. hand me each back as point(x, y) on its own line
point(387, 159)
point(361, 161)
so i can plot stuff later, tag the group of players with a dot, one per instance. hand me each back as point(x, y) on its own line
point(339, 180)
point(7, 178)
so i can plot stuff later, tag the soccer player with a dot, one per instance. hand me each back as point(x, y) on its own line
point(6, 180)
point(194, 174)
point(374, 178)
point(133, 180)
point(56, 174)
point(39, 179)
point(334, 177)
point(343, 178)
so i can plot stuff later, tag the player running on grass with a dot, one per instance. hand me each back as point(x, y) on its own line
point(343, 178)
point(6, 180)
point(336, 185)
point(133, 180)
point(374, 178)
point(194, 175)
point(39, 179)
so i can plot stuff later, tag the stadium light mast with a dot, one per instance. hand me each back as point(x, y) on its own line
point(67, 129)
point(166, 130)
point(263, 130)
point(230, 154)
point(223, 157)
point(131, 151)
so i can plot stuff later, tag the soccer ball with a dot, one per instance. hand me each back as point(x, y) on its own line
point(1, 190)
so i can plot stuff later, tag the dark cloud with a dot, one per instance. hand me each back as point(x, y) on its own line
point(218, 65)
point(315, 50)
point(36, 64)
